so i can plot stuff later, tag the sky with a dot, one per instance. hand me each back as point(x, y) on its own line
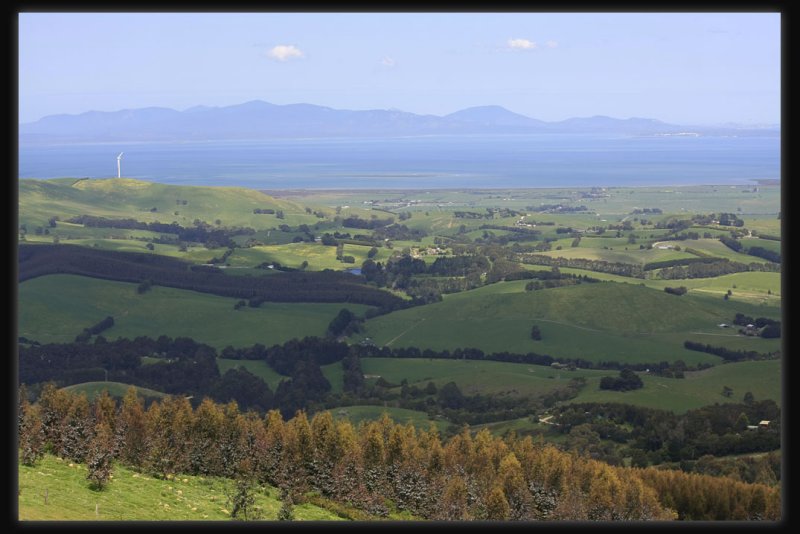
point(682, 68)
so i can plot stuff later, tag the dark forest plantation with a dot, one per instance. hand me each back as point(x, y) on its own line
point(217, 353)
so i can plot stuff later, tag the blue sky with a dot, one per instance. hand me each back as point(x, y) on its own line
point(687, 68)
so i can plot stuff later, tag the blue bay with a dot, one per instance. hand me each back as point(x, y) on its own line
point(524, 161)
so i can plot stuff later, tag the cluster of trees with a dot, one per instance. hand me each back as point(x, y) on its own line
point(400, 273)
point(652, 437)
point(557, 208)
point(398, 232)
point(376, 467)
point(681, 290)
point(767, 328)
point(473, 215)
point(761, 252)
point(95, 329)
point(554, 278)
point(344, 324)
point(626, 381)
point(323, 286)
point(729, 354)
point(731, 242)
point(761, 468)
point(760, 322)
point(366, 224)
point(653, 265)
point(638, 211)
point(708, 498)
point(266, 211)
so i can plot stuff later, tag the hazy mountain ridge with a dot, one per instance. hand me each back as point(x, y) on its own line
point(257, 119)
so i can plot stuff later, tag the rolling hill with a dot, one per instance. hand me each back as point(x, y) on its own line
point(596, 322)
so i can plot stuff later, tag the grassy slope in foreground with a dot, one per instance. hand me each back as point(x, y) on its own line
point(604, 321)
point(56, 308)
point(131, 496)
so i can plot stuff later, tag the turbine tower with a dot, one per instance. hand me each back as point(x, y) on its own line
point(119, 172)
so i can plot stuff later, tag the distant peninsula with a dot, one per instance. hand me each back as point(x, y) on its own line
point(262, 120)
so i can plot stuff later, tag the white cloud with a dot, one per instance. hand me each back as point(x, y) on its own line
point(386, 61)
point(285, 52)
point(521, 44)
point(551, 44)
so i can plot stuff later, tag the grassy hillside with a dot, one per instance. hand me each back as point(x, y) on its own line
point(760, 288)
point(356, 414)
point(257, 367)
point(474, 376)
point(123, 197)
point(762, 379)
point(609, 321)
point(56, 308)
point(115, 389)
point(701, 388)
point(131, 496)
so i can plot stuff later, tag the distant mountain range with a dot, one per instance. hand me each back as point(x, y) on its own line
point(261, 120)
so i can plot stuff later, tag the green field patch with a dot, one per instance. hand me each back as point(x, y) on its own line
point(317, 255)
point(764, 224)
point(56, 308)
point(768, 244)
point(258, 368)
point(633, 254)
point(474, 376)
point(115, 389)
point(756, 287)
point(718, 249)
point(127, 198)
point(357, 414)
point(607, 321)
point(701, 388)
point(131, 496)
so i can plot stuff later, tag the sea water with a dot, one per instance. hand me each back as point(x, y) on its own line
point(444, 162)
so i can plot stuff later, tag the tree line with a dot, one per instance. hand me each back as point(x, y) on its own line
point(729, 354)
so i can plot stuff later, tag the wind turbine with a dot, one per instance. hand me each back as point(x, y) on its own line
point(119, 173)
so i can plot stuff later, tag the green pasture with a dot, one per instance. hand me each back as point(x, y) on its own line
point(768, 244)
point(357, 414)
point(619, 254)
point(132, 496)
point(56, 308)
point(718, 249)
point(123, 198)
point(115, 389)
point(258, 368)
point(318, 256)
point(474, 376)
point(752, 288)
point(764, 224)
point(596, 322)
point(701, 388)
